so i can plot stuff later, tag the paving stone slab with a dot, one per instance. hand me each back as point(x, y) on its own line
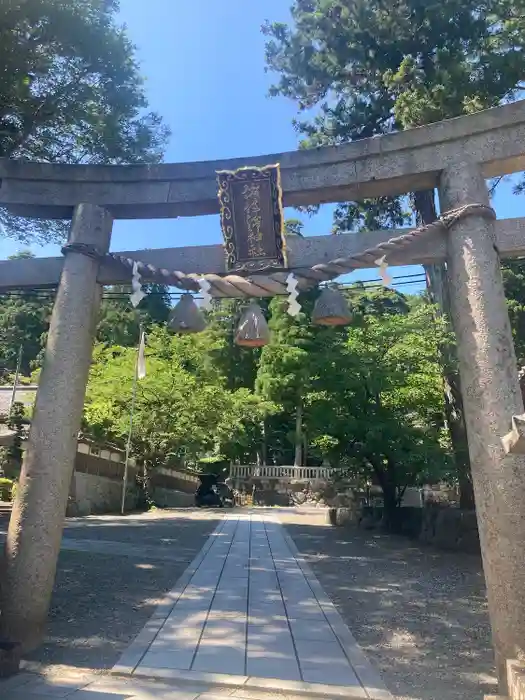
point(52, 688)
point(312, 629)
point(184, 618)
point(88, 694)
point(221, 614)
point(229, 606)
point(21, 695)
point(285, 667)
point(15, 682)
point(173, 658)
point(270, 630)
point(220, 659)
point(266, 610)
point(253, 614)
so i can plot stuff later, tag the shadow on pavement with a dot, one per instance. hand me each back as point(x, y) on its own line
point(72, 686)
point(109, 584)
point(420, 614)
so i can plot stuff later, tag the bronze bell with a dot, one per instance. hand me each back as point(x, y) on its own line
point(186, 317)
point(252, 331)
point(331, 308)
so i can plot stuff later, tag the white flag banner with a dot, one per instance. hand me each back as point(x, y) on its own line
point(141, 361)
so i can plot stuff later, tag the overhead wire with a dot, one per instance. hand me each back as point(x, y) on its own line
point(375, 283)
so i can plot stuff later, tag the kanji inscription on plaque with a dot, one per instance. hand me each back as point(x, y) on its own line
point(252, 218)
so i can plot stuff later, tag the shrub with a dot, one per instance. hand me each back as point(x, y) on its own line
point(6, 489)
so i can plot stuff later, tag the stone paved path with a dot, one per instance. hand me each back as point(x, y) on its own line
point(247, 619)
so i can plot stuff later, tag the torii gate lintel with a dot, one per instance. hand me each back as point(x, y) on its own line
point(42, 273)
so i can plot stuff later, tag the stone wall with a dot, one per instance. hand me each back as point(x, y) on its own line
point(278, 492)
point(441, 527)
point(96, 485)
point(169, 498)
point(450, 528)
point(167, 479)
point(173, 489)
point(91, 493)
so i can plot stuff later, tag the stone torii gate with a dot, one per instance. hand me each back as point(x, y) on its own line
point(456, 156)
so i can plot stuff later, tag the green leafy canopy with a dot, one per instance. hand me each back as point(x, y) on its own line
point(71, 92)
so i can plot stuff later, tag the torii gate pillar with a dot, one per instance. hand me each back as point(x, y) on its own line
point(491, 396)
point(35, 528)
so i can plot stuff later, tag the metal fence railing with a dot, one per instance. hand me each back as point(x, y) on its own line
point(247, 471)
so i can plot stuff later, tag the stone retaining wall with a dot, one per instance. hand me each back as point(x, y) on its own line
point(450, 528)
point(444, 528)
point(93, 493)
point(166, 479)
point(96, 486)
point(169, 498)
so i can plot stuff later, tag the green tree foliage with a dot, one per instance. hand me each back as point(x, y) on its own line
point(119, 321)
point(284, 369)
point(293, 227)
point(369, 396)
point(377, 302)
point(514, 282)
point(376, 405)
point(24, 319)
point(71, 91)
point(235, 366)
point(372, 66)
point(368, 67)
point(179, 414)
point(16, 422)
point(25, 316)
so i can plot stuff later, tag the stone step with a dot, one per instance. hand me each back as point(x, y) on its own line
point(70, 685)
point(253, 687)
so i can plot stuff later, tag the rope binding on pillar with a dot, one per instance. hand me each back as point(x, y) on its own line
point(87, 249)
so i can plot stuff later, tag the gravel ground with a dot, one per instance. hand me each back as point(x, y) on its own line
point(420, 614)
point(105, 593)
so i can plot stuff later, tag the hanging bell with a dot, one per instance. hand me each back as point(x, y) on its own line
point(331, 309)
point(186, 317)
point(252, 331)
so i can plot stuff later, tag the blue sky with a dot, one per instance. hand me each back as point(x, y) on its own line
point(204, 67)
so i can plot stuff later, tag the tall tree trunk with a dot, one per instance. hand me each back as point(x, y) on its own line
point(438, 289)
point(305, 448)
point(386, 477)
point(264, 444)
point(298, 461)
point(390, 507)
point(143, 482)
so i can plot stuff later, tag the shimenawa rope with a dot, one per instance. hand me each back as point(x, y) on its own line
point(275, 283)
